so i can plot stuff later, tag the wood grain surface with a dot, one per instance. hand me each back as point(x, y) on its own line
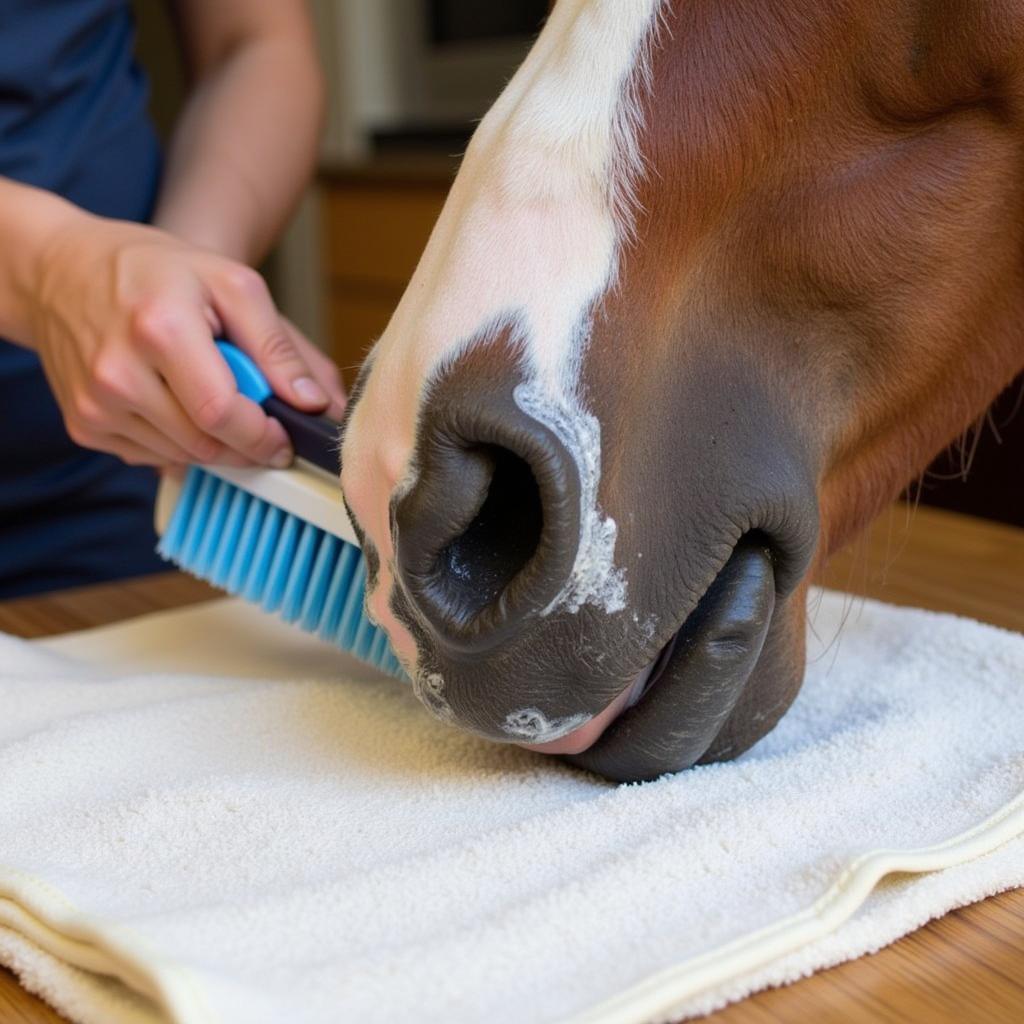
point(965, 968)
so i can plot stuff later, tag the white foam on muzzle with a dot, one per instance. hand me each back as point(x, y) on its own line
point(594, 578)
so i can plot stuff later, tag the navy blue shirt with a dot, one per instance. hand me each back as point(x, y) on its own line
point(73, 120)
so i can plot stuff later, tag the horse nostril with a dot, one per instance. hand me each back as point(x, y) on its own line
point(488, 533)
point(476, 565)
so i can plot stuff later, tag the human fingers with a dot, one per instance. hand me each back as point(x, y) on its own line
point(243, 304)
point(130, 451)
point(177, 338)
point(324, 369)
point(156, 405)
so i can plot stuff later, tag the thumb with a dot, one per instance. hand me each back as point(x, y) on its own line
point(252, 322)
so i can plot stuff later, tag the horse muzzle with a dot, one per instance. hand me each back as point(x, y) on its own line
point(487, 535)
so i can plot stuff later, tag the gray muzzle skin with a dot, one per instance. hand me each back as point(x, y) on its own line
point(713, 552)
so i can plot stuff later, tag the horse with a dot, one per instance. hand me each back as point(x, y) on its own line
point(712, 284)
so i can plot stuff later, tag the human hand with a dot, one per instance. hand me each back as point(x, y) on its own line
point(123, 317)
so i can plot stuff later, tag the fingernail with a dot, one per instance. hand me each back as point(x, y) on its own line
point(282, 458)
point(308, 390)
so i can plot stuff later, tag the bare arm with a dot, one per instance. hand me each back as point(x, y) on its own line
point(245, 146)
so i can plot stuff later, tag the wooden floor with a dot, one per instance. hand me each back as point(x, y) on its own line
point(966, 968)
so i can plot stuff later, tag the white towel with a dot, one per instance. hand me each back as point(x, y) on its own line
point(254, 839)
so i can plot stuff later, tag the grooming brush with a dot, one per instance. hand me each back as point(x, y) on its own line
point(277, 537)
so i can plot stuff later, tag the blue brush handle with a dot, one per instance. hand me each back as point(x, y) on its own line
point(314, 438)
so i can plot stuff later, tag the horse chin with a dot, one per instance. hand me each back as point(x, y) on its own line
point(669, 715)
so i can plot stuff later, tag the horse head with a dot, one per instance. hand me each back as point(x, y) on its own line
point(713, 283)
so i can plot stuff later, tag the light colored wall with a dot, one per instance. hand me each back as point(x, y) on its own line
point(387, 77)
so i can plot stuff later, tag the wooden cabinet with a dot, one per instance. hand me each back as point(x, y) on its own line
point(377, 218)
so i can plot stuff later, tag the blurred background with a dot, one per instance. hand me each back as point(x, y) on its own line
point(407, 80)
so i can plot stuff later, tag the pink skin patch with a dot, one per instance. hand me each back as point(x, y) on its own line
point(588, 734)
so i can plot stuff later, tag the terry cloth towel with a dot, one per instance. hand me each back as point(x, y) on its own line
point(204, 820)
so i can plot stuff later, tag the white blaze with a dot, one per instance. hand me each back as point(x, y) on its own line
point(529, 236)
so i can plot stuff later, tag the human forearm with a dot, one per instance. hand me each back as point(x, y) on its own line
point(29, 219)
point(244, 148)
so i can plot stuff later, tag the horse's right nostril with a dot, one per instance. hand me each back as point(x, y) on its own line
point(488, 533)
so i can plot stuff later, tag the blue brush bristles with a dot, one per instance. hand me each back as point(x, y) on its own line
point(249, 547)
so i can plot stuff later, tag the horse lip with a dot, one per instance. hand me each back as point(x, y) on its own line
point(586, 735)
point(654, 671)
point(639, 687)
point(589, 733)
point(703, 678)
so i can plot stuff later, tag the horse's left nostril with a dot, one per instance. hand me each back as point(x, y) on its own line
point(487, 534)
point(477, 564)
